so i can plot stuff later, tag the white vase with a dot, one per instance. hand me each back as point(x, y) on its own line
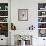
point(22, 43)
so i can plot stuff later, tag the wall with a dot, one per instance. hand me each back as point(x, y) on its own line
point(32, 6)
point(32, 13)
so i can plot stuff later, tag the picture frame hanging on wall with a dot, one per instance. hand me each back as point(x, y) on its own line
point(22, 14)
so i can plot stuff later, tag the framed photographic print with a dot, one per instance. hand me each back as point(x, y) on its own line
point(23, 14)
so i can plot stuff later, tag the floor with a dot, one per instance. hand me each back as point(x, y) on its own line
point(3, 45)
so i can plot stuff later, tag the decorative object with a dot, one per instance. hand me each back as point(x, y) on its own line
point(31, 27)
point(42, 33)
point(42, 19)
point(41, 25)
point(4, 29)
point(0, 7)
point(23, 40)
point(6, 7)
point(22, 43)
point(3, 6)
point(23, 14)
point(41, 6)
point(3, 13)
point(13, 27)
point(43, 13)
point(3, 19)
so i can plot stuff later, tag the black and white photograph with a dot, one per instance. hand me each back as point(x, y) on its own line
point(23, 14)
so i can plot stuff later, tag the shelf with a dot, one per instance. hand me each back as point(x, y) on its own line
point(3, 10)
point(41, 10)
point(4, 19)
point(3, 16)
point(41, 28)
point(42, 16)
point(42, 19)
point(3, 22)
point(41, 22)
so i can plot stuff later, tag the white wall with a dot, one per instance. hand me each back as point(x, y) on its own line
point(32, 13)
point(32, 6)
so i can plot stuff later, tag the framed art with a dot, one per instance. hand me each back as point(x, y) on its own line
point(23, 14)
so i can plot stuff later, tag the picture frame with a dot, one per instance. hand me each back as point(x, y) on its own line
point(22, 14)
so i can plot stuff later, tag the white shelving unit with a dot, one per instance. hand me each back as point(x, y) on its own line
point(4, 20)
point(42, 18)
point(3, 12)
